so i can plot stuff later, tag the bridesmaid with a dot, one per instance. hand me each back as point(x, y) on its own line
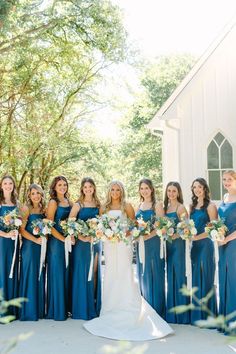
point(176, 278)
point(152, 280)
point(227, 251)
point(86, 294)
point(58, 209)
point(202, 210)
point(31, 287)
point(8, 202)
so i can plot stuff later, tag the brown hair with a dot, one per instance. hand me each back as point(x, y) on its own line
point(149, 183)
point(53, 193)
point(82, 195)
point(206, 200)
point(179, 197)
point(40, 190)
point(14, 194)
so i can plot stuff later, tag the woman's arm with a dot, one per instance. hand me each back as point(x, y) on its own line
point(159, 213)
point(130, 211)
point(23, 231)
point(213, 215)
point(51, 211)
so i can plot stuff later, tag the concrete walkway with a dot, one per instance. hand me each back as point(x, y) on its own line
point(69, 337)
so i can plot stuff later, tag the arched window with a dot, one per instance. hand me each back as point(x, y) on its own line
point(219, 159)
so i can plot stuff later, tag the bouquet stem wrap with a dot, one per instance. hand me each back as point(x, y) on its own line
point(68, 248)
point(162, 248)
point(141, 251)
point(90, 274)
point(13, 258)
point(42, 255)
point(216, 249)
point(188, 265)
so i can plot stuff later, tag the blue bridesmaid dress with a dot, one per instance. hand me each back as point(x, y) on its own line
point(152, 281)
point(203, 265)
point(227, 262)
point(57, 273)
point(31, 287)
point(86, 301)
point(176, 277)
point(7, 245)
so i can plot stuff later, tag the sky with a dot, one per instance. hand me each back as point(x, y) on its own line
point(158, 27)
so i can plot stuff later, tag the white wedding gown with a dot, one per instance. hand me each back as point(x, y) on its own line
point(125, 315)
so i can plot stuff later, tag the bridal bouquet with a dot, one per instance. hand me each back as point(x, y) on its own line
point(73, 227)
point(42, 228)
point(12, 221)
point(140, 228)
point(186, 229)
point(165, 230)
point(216, 230)
point(113, 228)
point(95, 229)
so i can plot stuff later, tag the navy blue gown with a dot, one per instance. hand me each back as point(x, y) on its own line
point(152, 281)
point(9, 286)
point(227, 262)
point(86, 301)
point(57, 273)
point(31, 287)
point(203, 265)
point(176, 277)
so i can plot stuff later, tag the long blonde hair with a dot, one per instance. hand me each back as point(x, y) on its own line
point(108, 201)
point(232, 173)
point(41, 191)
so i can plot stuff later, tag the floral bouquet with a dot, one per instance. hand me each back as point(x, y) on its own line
point(140, 228)
point(216, 230)
point(12, 221)
point(165, 230)
point(113, 228)
point(95, 229)
point(42, 227)
point(186, 229)
point(73, 227)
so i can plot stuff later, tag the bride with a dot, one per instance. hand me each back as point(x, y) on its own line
point(125, 315)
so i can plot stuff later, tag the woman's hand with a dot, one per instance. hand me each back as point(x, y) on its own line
point(73, 240)
point(12, 234)
point(222, 243)
point(84, 238)
point(175, 236)
point(38, 240)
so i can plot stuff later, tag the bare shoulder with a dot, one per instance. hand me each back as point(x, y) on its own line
point(52, 204)
point(24, 209)
point(182, 210)
point(129, 210)
point(212, 207)
point(159, 209)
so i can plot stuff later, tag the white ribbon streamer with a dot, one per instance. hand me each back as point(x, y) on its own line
point(68, 248)
point(14, 257)
point(90, 274)
point(188, 265)
point(216, 249)
point(42, 255)
point(141, 251)
point(162, 248)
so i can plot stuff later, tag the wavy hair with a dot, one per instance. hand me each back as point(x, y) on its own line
point(108, 201)
point(53, 193)
point(232, 173)
point(179, 197)
point(14, 194)
point(149, 183)
point(28, 199)
point(206, 199)
point(82, 195)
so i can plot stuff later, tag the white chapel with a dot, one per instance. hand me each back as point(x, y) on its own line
point(198, 121)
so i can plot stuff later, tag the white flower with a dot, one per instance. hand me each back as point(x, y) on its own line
point(70, 231)
point(171, 231)
point(193, 231)
point(135, 232)
point(159, 232)
point(214, 235)
point(45, 230)
point(108, 232)
point(18, 222)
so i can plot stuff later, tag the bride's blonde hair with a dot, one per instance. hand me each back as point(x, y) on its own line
point(108, 201)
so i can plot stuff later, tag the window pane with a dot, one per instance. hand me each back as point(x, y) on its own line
point(224, 191)
point(226, 155)
point(213, 155)
point(214, 184)
point(219, 138)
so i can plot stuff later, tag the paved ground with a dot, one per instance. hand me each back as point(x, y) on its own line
point(69, 337)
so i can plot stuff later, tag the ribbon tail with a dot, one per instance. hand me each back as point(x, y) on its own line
point(188, 266)
point(68, 248)
point(161, 248)
point(90, 274)
point(216, 249)
point(141, 251)
point(13, 259)
point(42, 255)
